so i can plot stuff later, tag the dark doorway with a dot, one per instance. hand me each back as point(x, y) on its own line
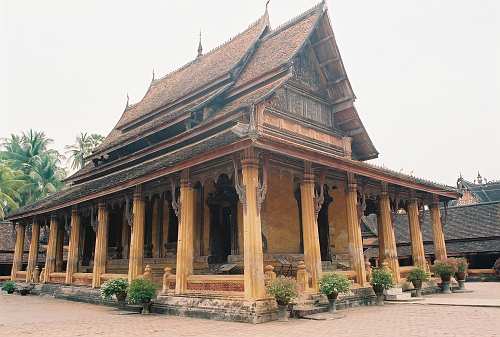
point(324, 227)
point(223, 220)
point(88, 242)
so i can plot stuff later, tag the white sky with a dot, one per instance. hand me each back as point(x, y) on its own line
point(426, 73)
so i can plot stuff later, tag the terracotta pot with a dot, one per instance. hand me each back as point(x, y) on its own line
point(460, 276)
point(120, 298)
point(282, 312)
point(146, 308)
point(446, 287)
point(445, 278)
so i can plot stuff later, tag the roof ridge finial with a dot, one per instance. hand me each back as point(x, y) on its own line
point(267, 3)
point(153, 75)
point(200, 47)
point(128, 99)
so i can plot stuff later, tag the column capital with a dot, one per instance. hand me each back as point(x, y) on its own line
point(74, 210)
point(249, 158)
point(384, 189)
point(101, 204)
point(185, 178)
point(435, 201)
point(138, 192)
point(352, 186)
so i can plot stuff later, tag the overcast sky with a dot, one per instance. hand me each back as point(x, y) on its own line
point(426, 73)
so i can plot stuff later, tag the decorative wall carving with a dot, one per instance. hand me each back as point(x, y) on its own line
point(301, 105)
point(305, 72)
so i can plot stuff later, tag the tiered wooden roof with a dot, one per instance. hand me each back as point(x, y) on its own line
point(203, 110)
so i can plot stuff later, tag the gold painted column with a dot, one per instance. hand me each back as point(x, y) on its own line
point(136, 256)
point(390, 250)
point(155, 236)
point(312, 252)
point(50, 259)
point(185, 239)
point(101, 245)
point(33, 253)
point(17, 262)
point(354, 231)
point(417, 243)
point(74, 246)
point(437, 231)
point(252, 229)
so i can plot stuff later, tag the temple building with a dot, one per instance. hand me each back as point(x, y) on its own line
point(247, 162)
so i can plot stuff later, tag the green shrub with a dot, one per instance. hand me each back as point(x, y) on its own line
point(381, 279)
point(444, 269)
point(9, 286)
point(141, 291)
point(332, 284)
point(113, 287)
point(416, 275)
point(284, 289)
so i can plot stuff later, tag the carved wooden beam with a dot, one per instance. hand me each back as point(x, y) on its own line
point(321, 41)
point(328, 61)
point(336, 81)
point(240, 189)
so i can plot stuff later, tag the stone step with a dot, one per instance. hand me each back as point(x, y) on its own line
point(302, 311)
point(393, 291)
point(399, 297)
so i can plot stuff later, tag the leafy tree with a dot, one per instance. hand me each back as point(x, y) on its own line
point(82, 148)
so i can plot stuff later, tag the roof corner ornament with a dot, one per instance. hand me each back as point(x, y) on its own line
point(176, 203)
point(262, 185)
point(128, 100)
point(200, 47)
point(252, 127)
point(267, 3)
point(153, 79)
point(240, 189)
point(319, 197)
point(93, 218)
point(128, 211)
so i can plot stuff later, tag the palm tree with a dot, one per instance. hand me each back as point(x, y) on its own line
point(11, 182)
point(82, 148)
point(40, 166)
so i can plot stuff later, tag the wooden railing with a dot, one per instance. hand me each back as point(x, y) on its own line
point(57, 278)
point(226, 284)
point(82, 279)
point(106, 277)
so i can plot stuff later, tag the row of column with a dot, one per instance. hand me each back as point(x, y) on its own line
point(253, 255)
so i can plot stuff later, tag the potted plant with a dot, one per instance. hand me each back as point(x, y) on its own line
point(332, 285)
point(417, 276)
point(284, 289)
point(9, 287)
point(141, 291)
point(462, 266)
point(496, 268)
point(445, 270)
point(380, 281)
point(117, 287)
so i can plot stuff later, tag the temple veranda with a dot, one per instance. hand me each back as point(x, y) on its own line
point(246, 163)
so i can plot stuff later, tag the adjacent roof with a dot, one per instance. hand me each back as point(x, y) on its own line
point(471, 228)
point(482, 191)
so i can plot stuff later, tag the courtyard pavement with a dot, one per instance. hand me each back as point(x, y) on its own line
point(45, 317)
